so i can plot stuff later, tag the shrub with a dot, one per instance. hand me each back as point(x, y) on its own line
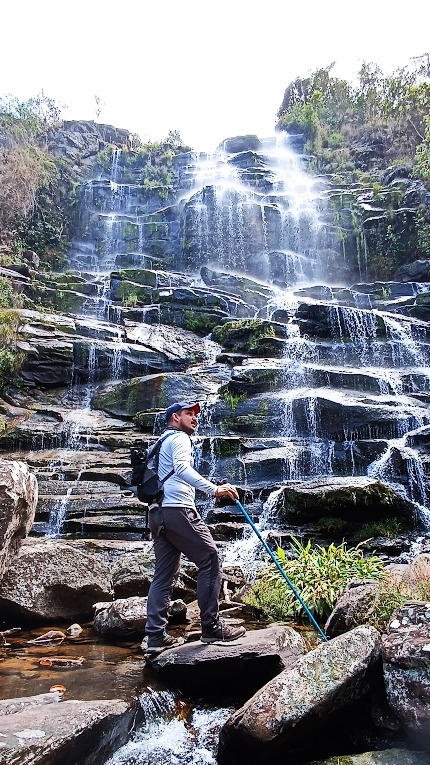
point(10, 358)
point(332, 525)
point(319, 574)
point(8, 298)
point(128, 295)
point(388, 527)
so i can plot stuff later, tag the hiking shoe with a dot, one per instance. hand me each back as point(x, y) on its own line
point(162, 642)
point(222, 632)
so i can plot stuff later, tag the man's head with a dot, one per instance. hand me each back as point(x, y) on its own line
point(182, 416)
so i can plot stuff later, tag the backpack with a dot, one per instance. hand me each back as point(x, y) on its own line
point(144, 476)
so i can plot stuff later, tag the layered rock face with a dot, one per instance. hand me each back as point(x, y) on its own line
point(314, 397)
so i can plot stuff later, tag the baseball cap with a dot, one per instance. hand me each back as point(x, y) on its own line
point(177, 408)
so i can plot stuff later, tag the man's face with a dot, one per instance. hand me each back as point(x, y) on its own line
point(186, 420)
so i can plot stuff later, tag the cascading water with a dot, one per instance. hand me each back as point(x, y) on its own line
point(257, 213)
point(171, 736)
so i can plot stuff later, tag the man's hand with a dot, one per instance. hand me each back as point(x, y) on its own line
point(226, 490)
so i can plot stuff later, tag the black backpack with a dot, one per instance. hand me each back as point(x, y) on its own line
point(144, 477)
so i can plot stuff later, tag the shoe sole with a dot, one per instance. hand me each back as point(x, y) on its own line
point(159, 649)
point(220, 641)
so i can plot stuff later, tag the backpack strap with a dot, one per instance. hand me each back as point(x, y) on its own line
point(160, 441)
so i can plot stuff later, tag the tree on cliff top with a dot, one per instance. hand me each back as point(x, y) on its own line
point(334, 114)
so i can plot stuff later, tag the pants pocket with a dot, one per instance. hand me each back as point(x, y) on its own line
point(156, 522)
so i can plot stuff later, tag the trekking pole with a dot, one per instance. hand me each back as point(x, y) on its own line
point(281, 570)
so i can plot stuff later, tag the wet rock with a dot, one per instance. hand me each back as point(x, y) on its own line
point(50, 581)
point(298, 712)
point(406, 661)
point(252, 292)
point(352, 607)
point(418, 271)
point(121, 618)
point(47, 361)
point(152, 392)
point(234, 669)
point(258, 337)
point(42, 730)
point(18, 500)
point(241, 143)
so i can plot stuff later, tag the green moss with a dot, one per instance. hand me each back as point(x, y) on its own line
point(244, 335)
point(231, 398)
point(332, 525)
point(199, 322)
point(227, 447)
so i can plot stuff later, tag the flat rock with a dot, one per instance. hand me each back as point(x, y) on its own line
point(235, 669)
point(39, 730)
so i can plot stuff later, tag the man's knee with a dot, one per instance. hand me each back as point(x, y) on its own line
point(210, 562)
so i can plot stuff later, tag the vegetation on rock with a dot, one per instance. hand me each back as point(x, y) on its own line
point(319, 574)
point(373, 140)
point(37, 188)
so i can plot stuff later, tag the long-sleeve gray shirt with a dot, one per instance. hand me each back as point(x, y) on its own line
point(180, 489)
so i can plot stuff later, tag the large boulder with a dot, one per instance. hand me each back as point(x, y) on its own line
point(352, 606)
point(50, 580)
point(234, 670)
point(123, 617)
point(406, 662)
point(18, 500)
point(43, 730)
point(355, 499)
point(297, 714)
point(418, 271)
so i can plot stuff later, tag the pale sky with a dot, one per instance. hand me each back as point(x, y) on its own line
point(210, 69)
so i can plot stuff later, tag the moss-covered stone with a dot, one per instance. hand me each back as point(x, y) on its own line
point(254, 336)
point(353, 499)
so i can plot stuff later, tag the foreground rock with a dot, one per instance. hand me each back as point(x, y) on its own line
point(386, 757)
point(308, 707)
point(406, 657)
point(42, 730)
point(235, 669)
point(18, 500)
point(51, 581)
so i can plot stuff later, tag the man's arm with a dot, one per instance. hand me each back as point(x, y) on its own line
point(181, 457)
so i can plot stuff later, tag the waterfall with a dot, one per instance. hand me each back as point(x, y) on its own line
point(167, 736)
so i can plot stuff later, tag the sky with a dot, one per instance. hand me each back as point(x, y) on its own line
point(210, 70)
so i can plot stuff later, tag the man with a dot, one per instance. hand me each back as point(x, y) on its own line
point(176, 527)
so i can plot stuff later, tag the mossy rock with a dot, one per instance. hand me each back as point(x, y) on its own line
point(140, 276)
point(359, 500)
point(253, 336)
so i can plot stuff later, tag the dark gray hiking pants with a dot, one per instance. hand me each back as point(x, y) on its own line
point(177, 530)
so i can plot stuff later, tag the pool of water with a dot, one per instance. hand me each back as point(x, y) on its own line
point(108, 670)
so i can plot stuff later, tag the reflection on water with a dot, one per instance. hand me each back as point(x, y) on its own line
point(108, 671)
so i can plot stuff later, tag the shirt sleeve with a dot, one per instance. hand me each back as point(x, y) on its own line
point(181, 457)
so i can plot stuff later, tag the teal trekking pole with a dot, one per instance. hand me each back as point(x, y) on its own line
point(281, 570)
